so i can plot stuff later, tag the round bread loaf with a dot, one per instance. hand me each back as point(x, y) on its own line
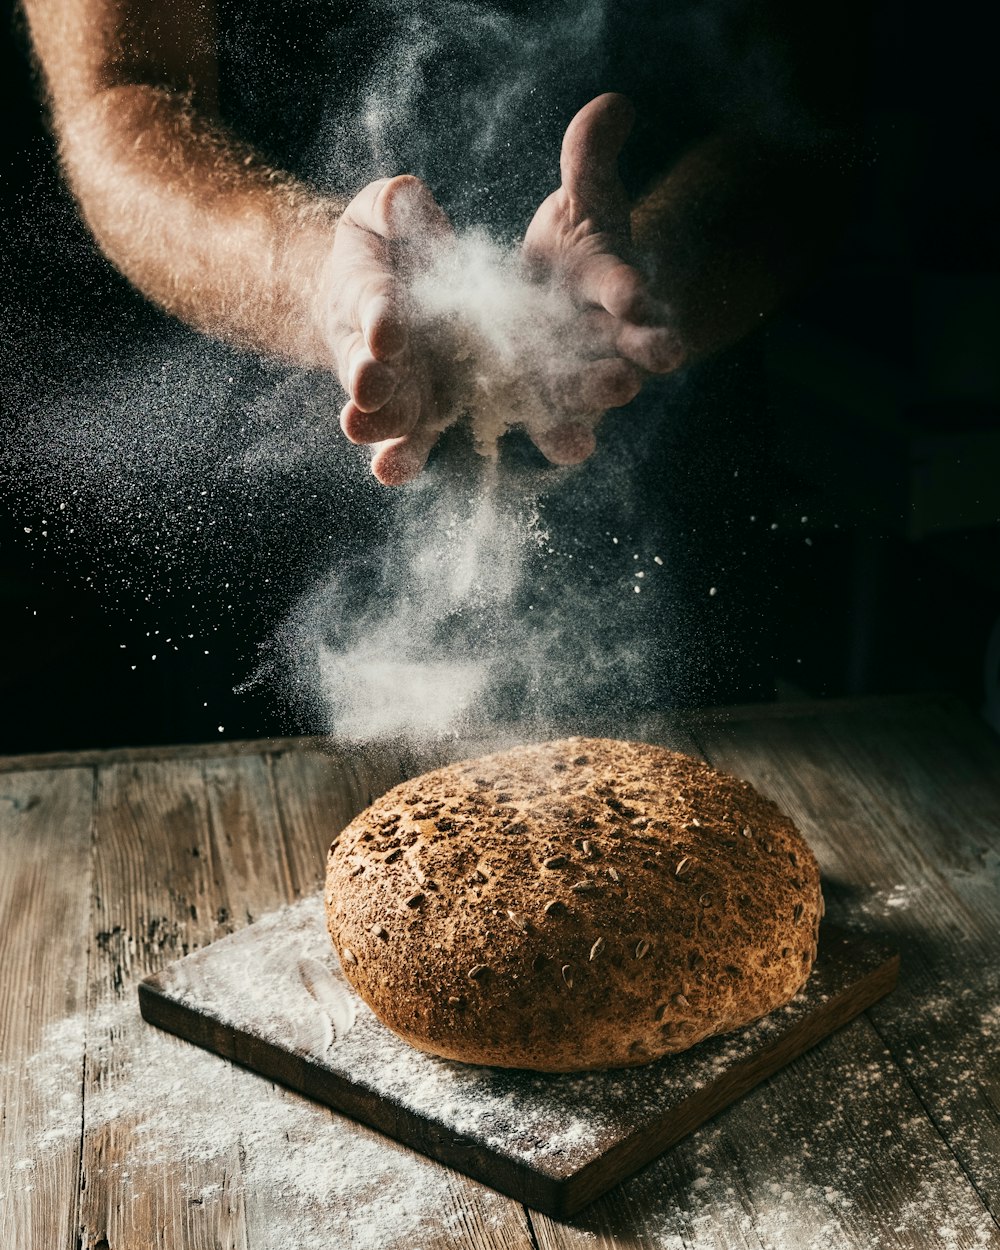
point(578, 904)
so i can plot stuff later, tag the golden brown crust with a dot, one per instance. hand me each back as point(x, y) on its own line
point(579, 904)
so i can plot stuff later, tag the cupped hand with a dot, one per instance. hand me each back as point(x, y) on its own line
point(393, 403)
point(580, 238)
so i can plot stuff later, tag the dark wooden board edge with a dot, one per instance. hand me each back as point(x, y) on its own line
point(652, 1139)
point(464, 1154)
point(557, 1196)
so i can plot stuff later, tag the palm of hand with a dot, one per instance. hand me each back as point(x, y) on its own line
point(579, 238)
point(608, 336)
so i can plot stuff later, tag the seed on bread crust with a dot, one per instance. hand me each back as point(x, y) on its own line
point(683, 928)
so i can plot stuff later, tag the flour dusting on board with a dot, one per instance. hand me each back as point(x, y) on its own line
point(312, 1179)
point(308, 1178)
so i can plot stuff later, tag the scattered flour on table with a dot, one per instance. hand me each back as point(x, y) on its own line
point(313, 1178)
point(893, 898)
point(309, 1178)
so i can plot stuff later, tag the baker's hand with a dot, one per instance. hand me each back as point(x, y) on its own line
point(392, 402)
point(579, 238)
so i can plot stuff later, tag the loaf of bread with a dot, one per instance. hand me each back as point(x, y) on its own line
point(579, 904)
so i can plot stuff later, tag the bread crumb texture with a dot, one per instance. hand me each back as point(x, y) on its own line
point(573, 905)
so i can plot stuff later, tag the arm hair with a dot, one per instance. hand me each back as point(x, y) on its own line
point(192, 216)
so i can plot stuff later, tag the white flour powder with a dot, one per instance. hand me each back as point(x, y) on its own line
point(313, 1179)
point(504, 335)
point(302, 1171)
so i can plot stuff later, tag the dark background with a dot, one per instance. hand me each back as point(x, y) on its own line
point(884, 382)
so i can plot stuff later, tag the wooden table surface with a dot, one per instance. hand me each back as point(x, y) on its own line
point(117, 1137)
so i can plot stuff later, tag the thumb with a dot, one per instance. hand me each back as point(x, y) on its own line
point(589, 160)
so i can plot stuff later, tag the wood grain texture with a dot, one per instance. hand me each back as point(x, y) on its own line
point(494, 1127)
point(155, 896)
point(315, 800)
point(317, 795)
point(885, 1135)
point(802, 1163)
point(923, 781)
point(45, 863)
point(816, 1158)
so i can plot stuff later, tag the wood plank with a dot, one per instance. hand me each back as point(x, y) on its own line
point(45, 843)
point(174, 751)
point(317, 795)
point(250, 863)
point(928, 873)
point(555, 1142)
point(802, 1163)
point(155, 896)
point(771, 1171)
point(441, 1206)
point(315, 800)
point(924, 784)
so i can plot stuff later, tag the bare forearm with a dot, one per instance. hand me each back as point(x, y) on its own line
point(197, 222)
point(730, 232)
point(192, 216)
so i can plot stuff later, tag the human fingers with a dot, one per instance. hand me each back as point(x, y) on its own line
point(589, 160)
point(592, 386)
point(383, 322)
point(399, 460)
point(394, 419)
point(366, 260)
point(398, 208)
point(655, 348)
point(367, 319)
point(566, 444)
point(371, 327)
point(370, 383)
point(654, 345)
point(606, 281)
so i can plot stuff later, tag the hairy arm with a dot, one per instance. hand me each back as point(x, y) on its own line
point(187, 212)
point(201, 225)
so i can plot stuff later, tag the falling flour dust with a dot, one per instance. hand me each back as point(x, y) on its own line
point(203, 491)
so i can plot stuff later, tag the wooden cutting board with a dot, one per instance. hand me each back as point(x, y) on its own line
point(272, 998)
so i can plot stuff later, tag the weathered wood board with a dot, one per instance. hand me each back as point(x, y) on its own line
point(273, 999)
